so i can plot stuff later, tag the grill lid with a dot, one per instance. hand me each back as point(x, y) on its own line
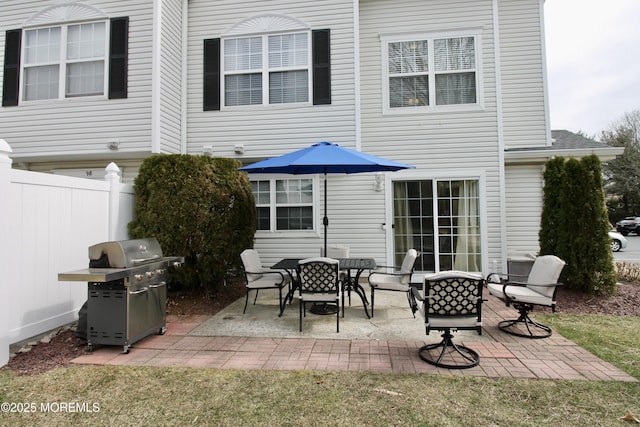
point(124, 253)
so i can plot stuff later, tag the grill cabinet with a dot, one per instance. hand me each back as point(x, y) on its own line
point(126, 291)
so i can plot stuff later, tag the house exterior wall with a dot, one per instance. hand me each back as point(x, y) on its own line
point(164, 111)
point(81, 127)
point(440, 144)
point(267, 131)
point(524, 185)
point(170, 56)
point(522, 64)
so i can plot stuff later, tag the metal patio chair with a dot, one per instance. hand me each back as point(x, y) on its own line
point(539, 289)
point(319, 283)
point(258, 278)
point(451, 300)
point(397, 281)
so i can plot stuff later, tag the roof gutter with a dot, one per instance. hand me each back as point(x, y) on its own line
point(542, 155)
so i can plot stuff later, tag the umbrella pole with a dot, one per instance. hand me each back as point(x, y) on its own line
point(325, 220)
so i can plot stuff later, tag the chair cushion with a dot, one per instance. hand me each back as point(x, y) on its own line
point(252, 264)
point(390, 282)
point(409, 260)
point(453, 322)
point(546, 270)
point(520, 294)
point(269, 280)
point(332, 297)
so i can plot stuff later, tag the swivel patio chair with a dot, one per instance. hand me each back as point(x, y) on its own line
point(398, 281)
point(319, 283)
point(539, 289)
point(451, 300)
point(257, 278)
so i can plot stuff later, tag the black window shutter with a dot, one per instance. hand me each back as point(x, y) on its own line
point(321, 40)
point(118, 57)
point(211, 84)
point(11, 84)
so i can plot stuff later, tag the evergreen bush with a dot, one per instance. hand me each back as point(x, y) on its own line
point(574, 224)
point(198, 207)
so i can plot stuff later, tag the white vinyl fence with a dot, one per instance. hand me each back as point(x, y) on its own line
point(48, 223)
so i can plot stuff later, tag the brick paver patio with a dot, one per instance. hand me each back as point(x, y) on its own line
point(502, 356)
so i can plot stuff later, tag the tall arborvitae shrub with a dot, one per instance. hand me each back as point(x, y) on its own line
point(574, 224)
point(550, 228)
point(198, 207)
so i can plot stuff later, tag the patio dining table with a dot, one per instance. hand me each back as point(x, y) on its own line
point(353, 266)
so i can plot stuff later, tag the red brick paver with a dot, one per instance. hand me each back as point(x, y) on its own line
point(506, 356)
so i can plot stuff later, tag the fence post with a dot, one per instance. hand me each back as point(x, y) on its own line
point(113, 177)
point(5, 170)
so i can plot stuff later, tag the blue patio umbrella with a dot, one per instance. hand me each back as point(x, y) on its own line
point(325, 158)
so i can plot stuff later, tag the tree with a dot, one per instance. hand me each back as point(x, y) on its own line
point(574, 224)
point(622, 175)
point(198, 207)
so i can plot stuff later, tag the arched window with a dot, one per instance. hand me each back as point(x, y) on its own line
point(65, 51)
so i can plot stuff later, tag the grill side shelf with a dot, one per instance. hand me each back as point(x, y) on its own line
point(94, 275)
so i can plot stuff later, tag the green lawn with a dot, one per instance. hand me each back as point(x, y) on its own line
point(185, 396)
point(615, 339)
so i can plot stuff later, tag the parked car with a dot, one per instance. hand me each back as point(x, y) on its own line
point(618, 241)
point(630, 224)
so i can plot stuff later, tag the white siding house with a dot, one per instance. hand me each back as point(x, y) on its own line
point(456, 88)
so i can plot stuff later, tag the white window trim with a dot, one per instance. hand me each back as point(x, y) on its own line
point(272, 232)
point(62, 63)
point(385, 39)
point(265, 70)
point(408, 175)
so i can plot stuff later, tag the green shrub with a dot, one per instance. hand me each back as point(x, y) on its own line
point(574, 224)
point(198, 207)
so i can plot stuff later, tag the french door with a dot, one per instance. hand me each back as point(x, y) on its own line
point(440, 218)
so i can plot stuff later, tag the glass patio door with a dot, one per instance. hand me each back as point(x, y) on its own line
point(441, 220)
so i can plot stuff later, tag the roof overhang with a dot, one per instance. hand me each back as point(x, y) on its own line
point(542, 155)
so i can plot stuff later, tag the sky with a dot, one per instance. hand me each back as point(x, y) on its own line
point(593, 62)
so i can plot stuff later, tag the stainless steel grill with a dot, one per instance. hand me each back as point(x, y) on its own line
point(127, 291)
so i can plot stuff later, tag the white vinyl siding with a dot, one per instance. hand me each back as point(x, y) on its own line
point(524, 186)
point(273, 129)
point(444, 144)
point(170, 91)
point(83, 126)
point(522, 72)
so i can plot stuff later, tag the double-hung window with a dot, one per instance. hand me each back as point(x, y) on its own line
point(66, 51)
point(284, 204)
point(65, 61)
point(430, 72)
point(267, 69)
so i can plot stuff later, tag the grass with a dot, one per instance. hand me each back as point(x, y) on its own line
point(615, 339)
point(185, 396)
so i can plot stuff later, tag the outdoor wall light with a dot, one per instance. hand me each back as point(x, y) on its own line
point(379, 181)
point(113, 144)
